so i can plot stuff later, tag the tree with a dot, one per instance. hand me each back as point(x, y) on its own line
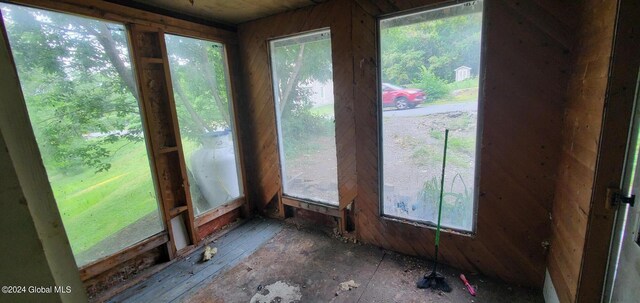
point(298, 62)
point(199, 82)
point(441, 44)
point(80, 88)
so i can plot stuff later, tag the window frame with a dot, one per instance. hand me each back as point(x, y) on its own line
point(239, 201)
point(479, 124)
point(321, 204)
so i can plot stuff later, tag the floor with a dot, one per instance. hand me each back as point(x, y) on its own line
point(270, 261)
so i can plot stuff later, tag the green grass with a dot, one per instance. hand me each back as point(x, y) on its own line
point(462, 144)
point(94, 206)
point(464, 96)
point(468, 83)
point(436, 134)
point(326, 110)
point(428, 156)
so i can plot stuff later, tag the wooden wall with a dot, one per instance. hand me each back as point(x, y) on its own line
point(256, 102)
point(525, 63)
point(582, 127)
point(527, 52)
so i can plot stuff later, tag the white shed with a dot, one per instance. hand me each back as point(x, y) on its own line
point(462, 73)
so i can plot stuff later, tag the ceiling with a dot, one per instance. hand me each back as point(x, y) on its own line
point(227, 11)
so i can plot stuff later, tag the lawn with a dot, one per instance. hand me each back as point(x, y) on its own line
point(463, 95)
point(323, 110)
point(94, 206)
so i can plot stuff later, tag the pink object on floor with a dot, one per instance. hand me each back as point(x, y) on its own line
point(466, 283)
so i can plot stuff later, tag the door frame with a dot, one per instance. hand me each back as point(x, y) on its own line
point(620, 97)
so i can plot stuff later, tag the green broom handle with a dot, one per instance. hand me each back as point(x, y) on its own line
point(444, 164)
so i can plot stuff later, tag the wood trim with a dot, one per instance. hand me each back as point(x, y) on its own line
point(119, 13)
point(617, 120)
point(219, 211)
point(327, 210)
point(232, 63)
point(161, 126)
point(101, 265)
point(189, 220)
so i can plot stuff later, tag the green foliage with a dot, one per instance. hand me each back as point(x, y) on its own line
point(78, 98)
point(467, 83)
point(456, 204)
point(435, 87)
point(198, 73)
point(301, 126)
point(298, 62)
point(441, 45)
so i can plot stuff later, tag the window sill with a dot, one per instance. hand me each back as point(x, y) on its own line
point(328, 209)
point(421, 224)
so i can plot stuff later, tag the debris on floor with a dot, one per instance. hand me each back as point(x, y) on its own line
point(278, 292)
point(349, 285)
point(209, 253)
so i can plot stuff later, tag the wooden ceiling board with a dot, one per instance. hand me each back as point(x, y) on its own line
point(226, 11)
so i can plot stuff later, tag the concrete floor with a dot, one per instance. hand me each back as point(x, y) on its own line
point(302, 265)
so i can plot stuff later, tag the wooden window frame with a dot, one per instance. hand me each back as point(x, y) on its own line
point(479, 125)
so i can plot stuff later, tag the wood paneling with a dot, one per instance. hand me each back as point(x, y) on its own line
point(581, 144)
point(526, 61)
point(619, 102)
point(218, 223)
point(257, 103)
point(521, 111)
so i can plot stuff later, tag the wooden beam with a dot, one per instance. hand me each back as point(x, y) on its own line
point(101, 265)
point(219, 211)
point(327, 210)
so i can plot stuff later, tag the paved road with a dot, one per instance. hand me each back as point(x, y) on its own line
point(427, 109)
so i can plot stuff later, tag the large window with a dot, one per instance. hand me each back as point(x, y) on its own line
point(81, 97)
point(430, 63)
point(303, 87)
point(203, 103)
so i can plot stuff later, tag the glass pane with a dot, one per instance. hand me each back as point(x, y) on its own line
point(203, 102)
point(81, 96)
point(430, 63)
point(303, 85)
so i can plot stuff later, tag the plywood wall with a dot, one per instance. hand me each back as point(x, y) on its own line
point(526, 71)
point(581, 128)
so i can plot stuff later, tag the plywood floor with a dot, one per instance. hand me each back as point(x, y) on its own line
point(270, 261)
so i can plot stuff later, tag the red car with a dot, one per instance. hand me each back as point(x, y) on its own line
point(401, 98)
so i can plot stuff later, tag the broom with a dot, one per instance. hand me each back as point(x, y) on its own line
point(434, 280)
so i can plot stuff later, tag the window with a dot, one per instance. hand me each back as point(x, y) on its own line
point(303, 87)
point(203, 102)
point(81, 97)
point(430, 63)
